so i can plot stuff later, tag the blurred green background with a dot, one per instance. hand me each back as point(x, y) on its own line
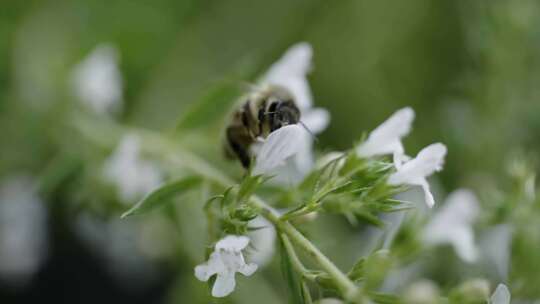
point(470, 69)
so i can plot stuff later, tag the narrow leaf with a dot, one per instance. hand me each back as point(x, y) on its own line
point(162, 195)
point(248, 186)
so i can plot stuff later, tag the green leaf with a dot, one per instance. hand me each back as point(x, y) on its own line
point(376, 268)
point(248, 186)
point(162, 195)
point(384, 298)
point(357, 272)
point(292, 280)
point(227, 199)
point(209, 202)
point(210, 108)
point(369, 217)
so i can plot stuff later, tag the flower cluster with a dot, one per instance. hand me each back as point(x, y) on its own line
point(286, 157)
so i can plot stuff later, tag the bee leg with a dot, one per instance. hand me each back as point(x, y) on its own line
point(239, 142)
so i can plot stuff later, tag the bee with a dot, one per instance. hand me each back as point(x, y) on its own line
point(260, 113)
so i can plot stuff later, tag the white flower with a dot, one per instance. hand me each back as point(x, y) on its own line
point(290, 72)
point(263, 239)
point(225, 261)
point(23, 230)
point(452, 224)
point(386, 138)
point(414, 172)
point(279, 146)
point(98, 82)
point(133, 176)
point(501, 295)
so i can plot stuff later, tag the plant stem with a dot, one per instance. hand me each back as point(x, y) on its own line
point(346, 286)
point(185, 159)
point(349, 290)
point(296, 263)
point(306, 293)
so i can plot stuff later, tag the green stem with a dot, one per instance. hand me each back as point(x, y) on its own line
point(176, 155)
point(349, 290)
point(296, 263)
point(306, 293)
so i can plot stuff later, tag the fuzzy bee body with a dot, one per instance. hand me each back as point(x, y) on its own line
point(260, 113)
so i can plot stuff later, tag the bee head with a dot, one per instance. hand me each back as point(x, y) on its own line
point(285, 113)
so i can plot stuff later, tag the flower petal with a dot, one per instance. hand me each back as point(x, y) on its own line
point(430, 201)
point(463, 243)
point(224, 285)
point(386, 138)
point(290, 71)
point(280, 145)
point(263, 240)
point(428, 161)
point(453, 224)
point(232, 243)
point(203, 272)
point(501, 295)
point(316, 120)
point(397, 126)
point(248, 269)
point(214, 265)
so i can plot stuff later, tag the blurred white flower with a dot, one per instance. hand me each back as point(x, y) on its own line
point(132, 175)
point(421, 292)
point(263, 241)
point(290, 71)
point(501, 295)
point(117, 243)
point(414, 172)
point(225, 261)
point(98, 82)
point(23, 230)
point(386, 138)
point(496, 245)
point(279, 146)
point(452, 224)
